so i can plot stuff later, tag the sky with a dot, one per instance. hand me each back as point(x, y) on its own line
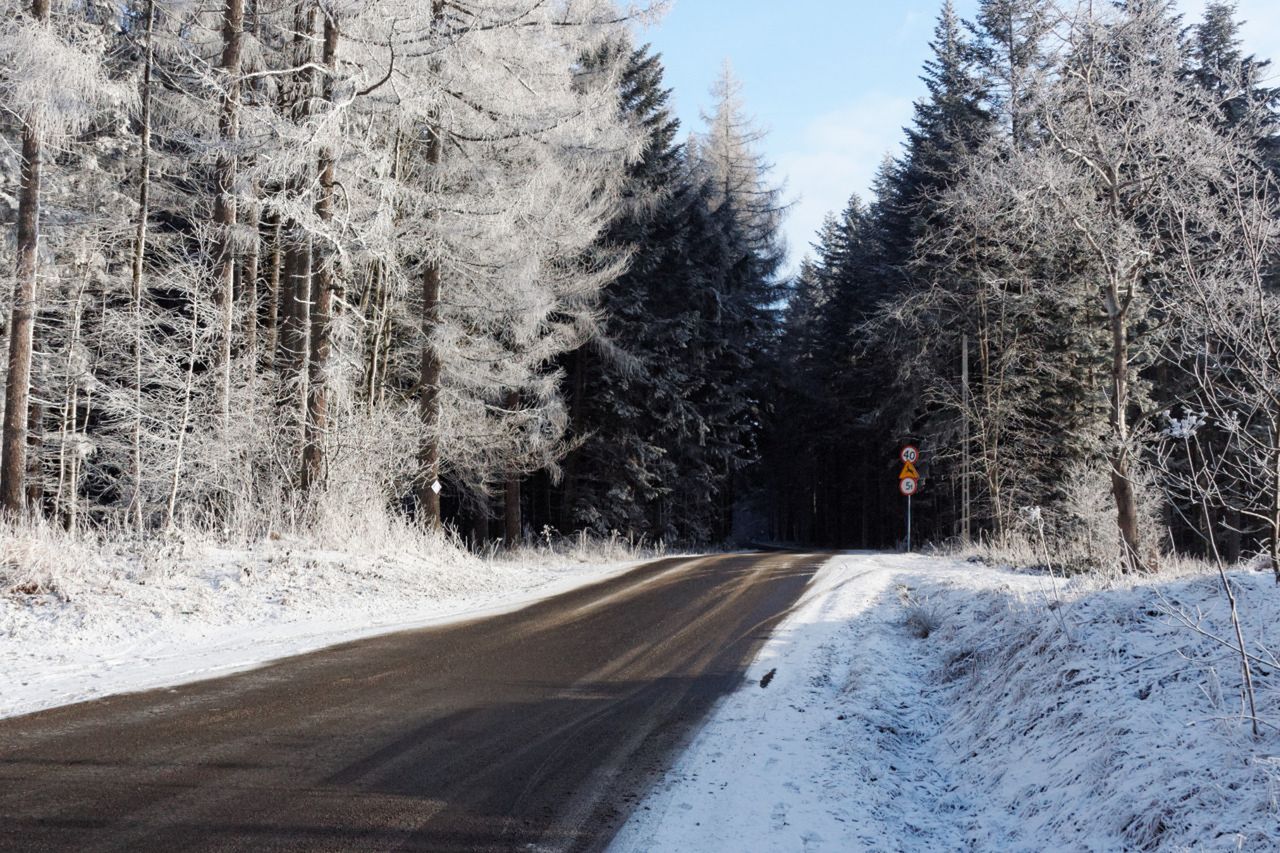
point(832, 81)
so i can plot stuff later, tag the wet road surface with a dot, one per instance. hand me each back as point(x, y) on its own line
point(535, 730)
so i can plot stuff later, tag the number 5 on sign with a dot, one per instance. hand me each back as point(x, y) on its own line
point(909, 480)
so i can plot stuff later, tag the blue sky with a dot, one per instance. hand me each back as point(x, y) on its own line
point(832, 81)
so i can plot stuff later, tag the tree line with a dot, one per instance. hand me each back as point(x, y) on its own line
point(279, 264)
point(1064, 290)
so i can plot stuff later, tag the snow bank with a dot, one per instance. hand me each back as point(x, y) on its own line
point(1116, 726)
point(927, 704)
point(80, 620)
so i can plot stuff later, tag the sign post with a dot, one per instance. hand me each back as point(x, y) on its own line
point(909, 481)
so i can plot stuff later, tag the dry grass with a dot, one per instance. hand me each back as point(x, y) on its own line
point(921, 616)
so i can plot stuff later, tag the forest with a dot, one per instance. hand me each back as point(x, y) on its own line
point(277, 265)
point(1064, 291)
point(457, 265)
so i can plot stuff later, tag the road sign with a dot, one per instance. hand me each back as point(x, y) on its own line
point(909, 480)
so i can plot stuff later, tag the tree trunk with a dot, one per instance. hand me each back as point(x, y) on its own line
point(429, 400)
point(377, 324)
point(17, 392)
point(295, 297)
point(322, 293)
point(251, 269)
point(295, 326)
point(35, 446)
point(1275, 502)
point(480, 524)
point(272, 340)
point(250, 274)
point(65, 496)
point(136, 509)
point(512, 526)
point(224, 205)
point(570, 493)
point(429, 375)
point(1121, 471)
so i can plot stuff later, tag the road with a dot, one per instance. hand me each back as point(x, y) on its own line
point(535, 730)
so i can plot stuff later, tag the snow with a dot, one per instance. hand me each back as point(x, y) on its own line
point(133, 621)
point(1037, 713)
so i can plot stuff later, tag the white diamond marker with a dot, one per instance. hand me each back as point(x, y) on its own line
point(435, 487)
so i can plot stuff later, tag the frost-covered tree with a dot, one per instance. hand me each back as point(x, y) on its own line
point(1085, 224)
point(1066, 157)
point(290, 181)
point(741, 292)
point(1238, 82)
point(624, 391)
point(736, 171)
point(1222, 450)
point(54, 85)
point(512, 163)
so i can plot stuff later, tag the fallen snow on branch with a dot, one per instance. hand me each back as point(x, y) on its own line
point(80, 620)
point(931, 704)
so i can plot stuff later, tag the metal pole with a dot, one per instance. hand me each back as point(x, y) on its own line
point(908, 523)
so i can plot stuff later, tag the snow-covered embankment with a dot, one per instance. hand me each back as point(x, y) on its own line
point(928, 704)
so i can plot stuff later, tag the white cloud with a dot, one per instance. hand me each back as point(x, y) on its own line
point(837, 154)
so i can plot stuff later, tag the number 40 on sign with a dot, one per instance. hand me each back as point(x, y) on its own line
point(909, 479)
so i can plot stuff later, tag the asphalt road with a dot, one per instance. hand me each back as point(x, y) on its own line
point(535, 730)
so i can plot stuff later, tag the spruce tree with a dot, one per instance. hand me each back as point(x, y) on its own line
point(1236, 80)
point(622, 384)
point(1009, 45)
point(953, 120)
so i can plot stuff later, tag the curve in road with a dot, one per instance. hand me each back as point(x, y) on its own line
point(535, 730)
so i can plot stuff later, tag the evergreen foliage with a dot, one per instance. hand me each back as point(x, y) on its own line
point(1059, 153)
point(419, 259)
point(667, 399)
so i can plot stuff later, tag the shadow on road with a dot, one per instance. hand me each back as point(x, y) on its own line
point(540, 727)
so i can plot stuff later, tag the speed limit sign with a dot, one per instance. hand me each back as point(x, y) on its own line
point(909, 480)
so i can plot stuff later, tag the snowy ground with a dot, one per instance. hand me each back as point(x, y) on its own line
point(133, 620)
point(1035, 715)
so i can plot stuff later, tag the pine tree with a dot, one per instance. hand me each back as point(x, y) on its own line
point(742, 291)
point(13, 454)
point(1236, 80)
point(667, 398)
point(953, 120)
point(621, 383)
point(1010, 47)
point(818, 441)
point(54, 86)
